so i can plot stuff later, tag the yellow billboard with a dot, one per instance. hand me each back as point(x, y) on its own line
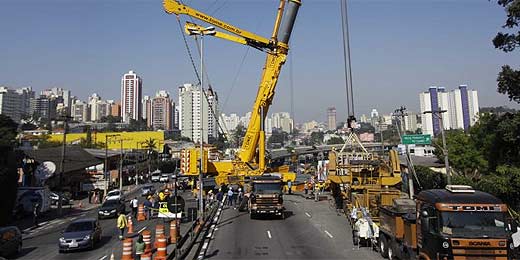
point(131, 140)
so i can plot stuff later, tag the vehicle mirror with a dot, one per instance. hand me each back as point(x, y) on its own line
point(424, 213)
point(425, 224)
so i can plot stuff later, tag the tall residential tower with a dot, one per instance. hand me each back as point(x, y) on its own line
point(131, 95)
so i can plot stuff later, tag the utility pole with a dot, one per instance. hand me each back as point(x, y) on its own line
point(400, 114)
point(62, 165)
point(438, 115)
point(121, 166)
point(105, 167)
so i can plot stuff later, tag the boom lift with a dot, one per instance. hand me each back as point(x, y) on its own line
point(276, 47)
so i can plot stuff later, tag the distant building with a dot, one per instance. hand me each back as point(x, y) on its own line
point(461, 107)
point(131, 95)
point(147, 110)
point(191, 107)
point(366, 137)
point(331, 118)
point(283, 121)
point(230, 122)
point(161, 115)
point(410, 122)
point(98, 108)
point(80, 111)
point(364, 119)
point(44, 107)
point(115, 108)
point(15, 103)
point(309, 126)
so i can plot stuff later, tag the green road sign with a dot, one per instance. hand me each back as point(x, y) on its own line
point(416, 139)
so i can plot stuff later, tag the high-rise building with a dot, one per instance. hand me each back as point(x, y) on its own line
point(80, 111)
point(331, 118)
point(115, 108)
point(98, 108)
point(410, 122)
point(282, 121)
point(15, 103)
point(43, 107)
point(131, 95)
point(191, 107)
point(230, 122)
point(147, 110)
point(161, 115)
point(461, 107)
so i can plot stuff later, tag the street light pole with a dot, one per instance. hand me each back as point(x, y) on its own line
point(62, 166)
point(438, 115)
point(121, 166)
point(206, 31)
point(105, 168)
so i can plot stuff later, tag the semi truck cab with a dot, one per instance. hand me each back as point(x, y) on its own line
point(449, 224)
point(266, 196)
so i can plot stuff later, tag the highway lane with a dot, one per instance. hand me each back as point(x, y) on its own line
point(45, 246)
point(312, 230)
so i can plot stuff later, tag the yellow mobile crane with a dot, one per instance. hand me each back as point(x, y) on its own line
point(276, 47)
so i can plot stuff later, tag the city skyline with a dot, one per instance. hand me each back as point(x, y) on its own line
point(445, 51)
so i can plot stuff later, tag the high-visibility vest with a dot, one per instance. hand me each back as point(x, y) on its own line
point(121, 221)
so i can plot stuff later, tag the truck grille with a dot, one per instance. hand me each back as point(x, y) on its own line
point(266, 200)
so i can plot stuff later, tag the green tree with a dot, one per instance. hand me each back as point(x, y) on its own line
point(429, 179)
point(317, 138)
point(8, 131)
point(238, 134)
point(336, 140)
point(8, 165)
point(509, 78)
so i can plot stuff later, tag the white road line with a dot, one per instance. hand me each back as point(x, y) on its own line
point(141, 230)
point(269, 234)
point(205, 246)
point(102, 257)
point(328, 234)
point(308, 215)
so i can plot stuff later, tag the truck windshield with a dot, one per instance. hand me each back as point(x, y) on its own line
point(267, 187)
point(473, 224)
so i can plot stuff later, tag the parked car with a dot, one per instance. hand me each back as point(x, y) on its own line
point(147, 190)
point(114, 195)
point(111, 208)
point(54, 199)
point(80, 234)
point(10, 241)
point(164, 177)
point(155, 177)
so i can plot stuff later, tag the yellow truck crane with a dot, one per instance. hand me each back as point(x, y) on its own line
point(250, 160)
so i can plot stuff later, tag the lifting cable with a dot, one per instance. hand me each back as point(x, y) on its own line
point(347, 61)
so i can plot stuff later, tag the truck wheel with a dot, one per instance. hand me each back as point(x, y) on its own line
point(383, 246)
point(391, 253)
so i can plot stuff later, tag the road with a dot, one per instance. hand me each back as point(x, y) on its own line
point(311, 230)
point(45, 244)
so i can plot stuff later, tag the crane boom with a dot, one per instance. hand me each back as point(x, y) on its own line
point(276, 48)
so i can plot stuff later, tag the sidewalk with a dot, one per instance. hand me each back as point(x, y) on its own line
point(51, 217)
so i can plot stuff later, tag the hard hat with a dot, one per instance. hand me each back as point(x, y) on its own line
point(210, 191)
point(239, 189)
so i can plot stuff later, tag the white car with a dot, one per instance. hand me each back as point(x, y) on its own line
point(164, 178)
point(156, 177)
point(114, 195)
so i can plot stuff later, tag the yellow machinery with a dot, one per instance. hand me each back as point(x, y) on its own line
point(363, 180)
point(250, 159)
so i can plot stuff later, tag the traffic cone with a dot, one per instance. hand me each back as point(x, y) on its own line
point(140, 213)
point(130, 225)
point(127, 249)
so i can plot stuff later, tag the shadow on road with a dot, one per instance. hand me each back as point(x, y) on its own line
point(212, 254)
point(25, 251)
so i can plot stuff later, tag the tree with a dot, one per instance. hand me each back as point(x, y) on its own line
point(278, 137)
point(238, 134)
point(317, 138)
point(509, 78)
point(336, 140)
point(429, 179)
point(8, 131)
point(137, 125)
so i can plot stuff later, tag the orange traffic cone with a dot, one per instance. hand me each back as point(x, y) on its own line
point(140, 213)
point(130, 225)
point(161, 245)
point(127, 249)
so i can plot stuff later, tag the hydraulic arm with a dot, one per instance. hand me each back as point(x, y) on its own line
point(276, 48)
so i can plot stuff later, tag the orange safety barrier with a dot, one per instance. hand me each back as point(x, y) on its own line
point(130, 225)
point(127, 249)
point(174, 231)
point(147, 238)
point(140, 213)
point(146, 256)
point(160, 244)
point(159, 231)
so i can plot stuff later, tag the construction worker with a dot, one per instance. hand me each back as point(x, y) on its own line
point(148, 207)
point(139, 247)
point(121, 224)
point(134, 203)
point(162, 196)
point(289, 186)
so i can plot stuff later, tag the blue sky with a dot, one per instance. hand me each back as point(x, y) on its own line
point(399, 48)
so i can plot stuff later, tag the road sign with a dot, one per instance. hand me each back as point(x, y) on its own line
point(416, 139)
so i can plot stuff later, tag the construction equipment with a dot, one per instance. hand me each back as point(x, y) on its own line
point(250, 160)
point(363, 182)
point(453, 223)
point(266, 196)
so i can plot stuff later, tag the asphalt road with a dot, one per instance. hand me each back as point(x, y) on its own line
point(311, 230)
point(45, 245)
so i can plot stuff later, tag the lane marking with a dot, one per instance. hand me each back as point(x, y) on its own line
point(308, 215)
point(141, 230)
point(328, 234)
point(103, 257)
point(269, 234)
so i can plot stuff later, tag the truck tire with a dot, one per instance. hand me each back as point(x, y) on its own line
point(391, 251)
point(383, 245)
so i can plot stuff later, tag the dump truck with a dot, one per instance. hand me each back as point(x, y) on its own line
point(457, 222)
point(266, 196)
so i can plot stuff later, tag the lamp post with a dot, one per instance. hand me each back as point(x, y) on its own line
point(106, 168)
point(438, 115)
point(206, 31)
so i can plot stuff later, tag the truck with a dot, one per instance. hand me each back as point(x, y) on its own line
point(457, 222)
point(27, 197)
point(266, 196)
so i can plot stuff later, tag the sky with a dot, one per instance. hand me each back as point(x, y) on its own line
point(399, 48)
